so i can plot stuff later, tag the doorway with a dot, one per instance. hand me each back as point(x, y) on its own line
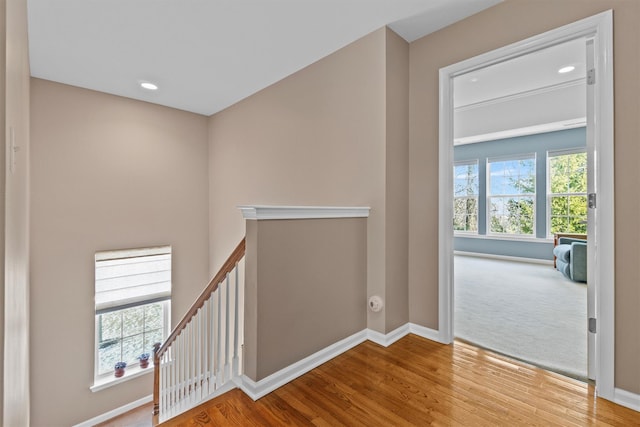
point(520, 177)
point(598, 29)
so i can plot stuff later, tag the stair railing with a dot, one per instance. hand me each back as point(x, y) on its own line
point(204, 350)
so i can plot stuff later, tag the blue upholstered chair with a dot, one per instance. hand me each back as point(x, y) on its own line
point(571, 257)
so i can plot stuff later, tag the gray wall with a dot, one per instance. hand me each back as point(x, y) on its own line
point(539, 144)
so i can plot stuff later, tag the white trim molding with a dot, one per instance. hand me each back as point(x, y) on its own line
point(386, 340)
point(598, 28)
point(256, 390)
point(424, 332)
point(260, 212)
point(504, 257)
point(627, 399)
point(115, 412)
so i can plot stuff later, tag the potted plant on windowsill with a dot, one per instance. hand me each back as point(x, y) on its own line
point(144, 360)
point(119, 369)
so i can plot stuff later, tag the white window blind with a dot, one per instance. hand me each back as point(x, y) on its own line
point(133, 277)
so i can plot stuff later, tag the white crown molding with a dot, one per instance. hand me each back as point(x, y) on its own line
point(529, 130)
point(260, 212)
point(524, 94)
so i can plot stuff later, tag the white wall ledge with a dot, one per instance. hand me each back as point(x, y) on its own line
point(260, 212)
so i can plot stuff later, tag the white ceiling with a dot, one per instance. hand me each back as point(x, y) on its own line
point(523, 95)
point(206, 55)
point(533, 72)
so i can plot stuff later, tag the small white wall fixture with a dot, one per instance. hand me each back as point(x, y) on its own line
point(598, 28)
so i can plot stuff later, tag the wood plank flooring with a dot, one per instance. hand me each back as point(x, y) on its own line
point(417, 382)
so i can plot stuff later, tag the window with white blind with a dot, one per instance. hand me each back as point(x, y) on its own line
point(132, 305)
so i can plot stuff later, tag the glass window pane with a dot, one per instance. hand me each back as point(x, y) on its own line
point(153, 316)
point(577, 205)
point(559, 224)
point(560, 205)
point(132, 347)
point(108, 355)
point(152, 337)
point(110, 324)
point(132, 321)
point(568, 176)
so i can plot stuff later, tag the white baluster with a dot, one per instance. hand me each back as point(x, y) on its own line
point(199, 358)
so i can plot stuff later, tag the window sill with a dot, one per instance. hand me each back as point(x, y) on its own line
point(130, 373)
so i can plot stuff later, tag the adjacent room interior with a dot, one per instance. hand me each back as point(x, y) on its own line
point(520, 183)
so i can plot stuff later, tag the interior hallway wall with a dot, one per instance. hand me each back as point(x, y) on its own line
point(315, 138)
point(108, 173)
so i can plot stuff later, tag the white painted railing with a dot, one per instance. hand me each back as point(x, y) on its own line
point(203, 354)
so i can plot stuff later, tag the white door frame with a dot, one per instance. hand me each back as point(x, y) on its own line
point(600, 29)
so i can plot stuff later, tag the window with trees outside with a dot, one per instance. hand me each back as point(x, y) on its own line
point(511, 195)
point(465, 196)
point(567, 192)
point(132, 305)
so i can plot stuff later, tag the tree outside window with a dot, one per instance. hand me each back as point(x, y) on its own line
point(511, 195)
point(567, 193)
point(465, 197)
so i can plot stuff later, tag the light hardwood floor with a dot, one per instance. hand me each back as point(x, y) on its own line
point(416, 382)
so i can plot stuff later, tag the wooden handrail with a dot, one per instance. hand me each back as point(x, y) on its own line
point(226, 268)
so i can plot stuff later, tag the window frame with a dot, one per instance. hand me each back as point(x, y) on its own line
point(549, 194)
point(476, 196)
point(489, 195)
point(133, 369)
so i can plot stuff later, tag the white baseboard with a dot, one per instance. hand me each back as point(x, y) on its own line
point(627, 399)
point(424, 332)
point(505, 257)
point(115, 412)
point(390, 338)
point(256, 390)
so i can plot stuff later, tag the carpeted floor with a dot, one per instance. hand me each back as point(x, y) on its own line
point(528, 311)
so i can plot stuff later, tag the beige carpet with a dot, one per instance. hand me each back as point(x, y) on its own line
point(528, 311)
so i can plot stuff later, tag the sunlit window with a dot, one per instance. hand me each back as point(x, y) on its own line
point(132, 303)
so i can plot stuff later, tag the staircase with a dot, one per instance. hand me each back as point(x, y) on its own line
point(202, 356)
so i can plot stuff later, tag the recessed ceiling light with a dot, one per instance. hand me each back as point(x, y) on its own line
point(566, 69)
point(149, 85)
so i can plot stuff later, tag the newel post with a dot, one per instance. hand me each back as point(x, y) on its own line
point(156, 384)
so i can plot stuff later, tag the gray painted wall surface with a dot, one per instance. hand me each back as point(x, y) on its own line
point(538, 144)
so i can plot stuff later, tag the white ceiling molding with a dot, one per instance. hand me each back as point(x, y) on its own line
point(519, 114)
point(261, 212)
point(530, 130)
point(533, 92)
